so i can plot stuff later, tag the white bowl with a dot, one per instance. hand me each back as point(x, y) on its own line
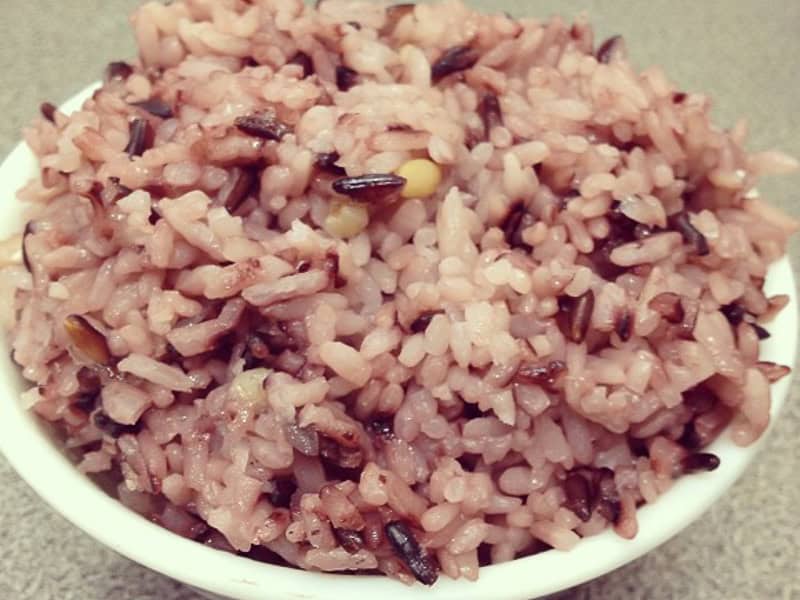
point(41, 463)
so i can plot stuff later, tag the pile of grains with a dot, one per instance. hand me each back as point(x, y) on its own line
point(405, 289)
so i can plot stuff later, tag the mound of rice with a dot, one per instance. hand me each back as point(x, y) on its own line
point(271, 332)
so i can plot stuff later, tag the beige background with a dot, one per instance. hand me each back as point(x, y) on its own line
point(746, 53)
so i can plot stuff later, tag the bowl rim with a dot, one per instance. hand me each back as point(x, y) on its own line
point(36, 458)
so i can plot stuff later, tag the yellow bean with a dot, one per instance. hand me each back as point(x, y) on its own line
point(346, 219)
point(422, 177)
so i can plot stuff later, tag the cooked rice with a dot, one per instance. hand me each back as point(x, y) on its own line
point(511, 364)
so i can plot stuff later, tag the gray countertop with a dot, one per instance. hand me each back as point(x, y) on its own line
point(748, 59)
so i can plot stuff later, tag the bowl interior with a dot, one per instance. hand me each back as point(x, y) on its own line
point(36, 457)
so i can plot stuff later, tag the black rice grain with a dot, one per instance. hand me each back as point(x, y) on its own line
point(345, 78)
point(681, 223)
point(700, 462)
point(405, 545)
point(608, 49)
point(156, 107)
point(578, 493)
point(421, 323)
point(733, 312)
point(454, 60)
point(265, 126)
point(699, 399)
point(381, 426)
point(113, 191)
point(668, 305)
point(544, 374)
point(304, 61)
point(25, 259)
point(372, 187)
point(690, 439)
point(762, 333)
point(108, 425)
point(141, 137)
point(623, 326)
point(86, 402)
point(606, 499)
point(517, 220)
point(283, 488)
point(327, 162)
point(349, 539)
point(118, 70)
point(245, 182)
point(490, 113)
point(48, 110)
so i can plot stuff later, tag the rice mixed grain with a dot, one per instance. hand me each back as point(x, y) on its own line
point(406, 289)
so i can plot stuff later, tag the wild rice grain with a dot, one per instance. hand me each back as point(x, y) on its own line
point(453, 60)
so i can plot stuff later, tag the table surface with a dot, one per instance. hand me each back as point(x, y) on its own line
point(745, 547)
